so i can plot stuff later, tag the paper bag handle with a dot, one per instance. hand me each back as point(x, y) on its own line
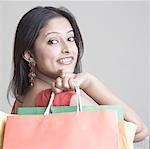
point(79, 103)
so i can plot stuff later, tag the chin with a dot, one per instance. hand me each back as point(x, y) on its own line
point(68, 69)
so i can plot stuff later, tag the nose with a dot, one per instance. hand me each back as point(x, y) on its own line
point(65, 48)
point(65, 51)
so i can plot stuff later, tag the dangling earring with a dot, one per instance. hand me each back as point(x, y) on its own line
point(32, 73)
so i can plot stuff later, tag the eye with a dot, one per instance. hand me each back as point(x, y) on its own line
point(71, 39)
point(51, 42)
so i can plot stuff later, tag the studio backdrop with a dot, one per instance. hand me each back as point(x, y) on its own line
point(115, 36)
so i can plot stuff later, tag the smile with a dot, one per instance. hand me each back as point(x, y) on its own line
point(65, 61)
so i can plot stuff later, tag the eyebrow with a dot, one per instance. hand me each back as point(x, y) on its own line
point(57, 33)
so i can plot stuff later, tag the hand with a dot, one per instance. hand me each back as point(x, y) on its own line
point(66, 80)
point(142, 133)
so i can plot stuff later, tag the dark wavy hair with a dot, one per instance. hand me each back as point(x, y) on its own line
point(26, 33)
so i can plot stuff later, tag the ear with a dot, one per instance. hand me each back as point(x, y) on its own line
point(28, 56)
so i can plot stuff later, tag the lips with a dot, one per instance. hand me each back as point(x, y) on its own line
point(65, 60)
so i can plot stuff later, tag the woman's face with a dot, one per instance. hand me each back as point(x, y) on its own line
point(55, 48)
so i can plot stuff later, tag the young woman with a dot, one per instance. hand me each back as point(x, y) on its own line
point(47, 58)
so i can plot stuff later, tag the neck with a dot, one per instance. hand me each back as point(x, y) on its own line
point(43, 77)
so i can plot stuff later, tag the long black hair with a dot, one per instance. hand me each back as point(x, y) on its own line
point(26, 33)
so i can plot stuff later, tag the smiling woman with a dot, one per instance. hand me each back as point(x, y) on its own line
point(47, 58)
point(55, 48)
point(47, 42)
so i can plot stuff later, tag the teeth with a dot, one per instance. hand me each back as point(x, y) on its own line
point(65, 60)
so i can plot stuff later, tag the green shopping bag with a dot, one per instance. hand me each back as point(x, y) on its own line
point(62, 109)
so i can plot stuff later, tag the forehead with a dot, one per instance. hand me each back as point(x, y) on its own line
point(58, 24)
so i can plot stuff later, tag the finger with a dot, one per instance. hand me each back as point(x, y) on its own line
point(62, 73)
point(58, 83)
point(65, 73)
point(65, 83)
point(72, 84)
point(55, 89)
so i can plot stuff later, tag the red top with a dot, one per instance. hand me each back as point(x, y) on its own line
point(42, 99)
point(60, 99)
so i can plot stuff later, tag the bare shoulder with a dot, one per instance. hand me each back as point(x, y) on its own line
point(29, 98)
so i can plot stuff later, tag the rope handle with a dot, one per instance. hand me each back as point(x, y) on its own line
point(79, 103)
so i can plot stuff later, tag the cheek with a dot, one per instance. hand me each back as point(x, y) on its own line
point(44, 59)
point(43, 51)
point(76, 53)
point(44, 54)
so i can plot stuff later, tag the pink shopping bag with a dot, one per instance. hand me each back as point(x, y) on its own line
point(71, 130)
point(74, 130)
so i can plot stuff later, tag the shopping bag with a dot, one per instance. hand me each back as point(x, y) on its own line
point(69, 130)
point(62, 109)
point(126, 129)
point(126, 134)
point(3, 117)
point(89, 130)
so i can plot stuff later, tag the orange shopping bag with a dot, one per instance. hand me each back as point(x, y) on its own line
point(71, 130)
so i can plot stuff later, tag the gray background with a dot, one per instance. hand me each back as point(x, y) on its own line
point(116, 46)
